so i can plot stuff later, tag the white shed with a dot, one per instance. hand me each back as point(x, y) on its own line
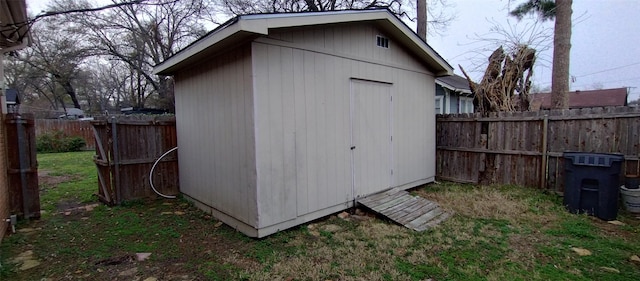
point(286, 118)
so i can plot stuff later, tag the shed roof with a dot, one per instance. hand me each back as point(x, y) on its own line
point(247, 27)
point(581, 99)
point(13, 23)
point(455, 83)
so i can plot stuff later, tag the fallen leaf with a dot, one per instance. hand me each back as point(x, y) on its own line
point(166, 213)
point(635, 258)
point(610, 269)
point(581, 252)
point(142, 256)
point(28, 264)
point(616, 222)
point(179, 213)
point(218, 224)
point(343, 215)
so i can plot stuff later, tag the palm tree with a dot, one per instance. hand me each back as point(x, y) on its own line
point(560, 10)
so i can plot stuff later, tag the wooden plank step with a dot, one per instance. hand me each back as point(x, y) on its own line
point(400, 209)
point(390, 204)
point(413, 212)
point(417, 213)
point(380, 196)
point(424, 218)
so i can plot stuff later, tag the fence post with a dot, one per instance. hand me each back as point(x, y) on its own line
point(22, 155)
point(22, 168)
point(116, 158)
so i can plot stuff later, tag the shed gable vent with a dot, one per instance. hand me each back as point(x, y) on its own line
point(382, 42)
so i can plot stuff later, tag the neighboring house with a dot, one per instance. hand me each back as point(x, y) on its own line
point(453, 95)
point(286, 118)
point(13, 101)
point(583, 99)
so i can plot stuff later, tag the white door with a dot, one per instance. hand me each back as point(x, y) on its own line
point(370, 136)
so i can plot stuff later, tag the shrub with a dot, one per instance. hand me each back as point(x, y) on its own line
point(58, 141)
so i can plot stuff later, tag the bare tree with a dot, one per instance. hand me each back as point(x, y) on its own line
point(141, 36)
point(514, 49)
point(56, 56)
point(439, 12)
point(560, 10)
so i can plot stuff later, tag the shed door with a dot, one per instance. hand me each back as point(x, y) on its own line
point(370, 136)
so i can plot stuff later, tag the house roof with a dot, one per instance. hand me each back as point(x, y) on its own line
point(13, 23)
point(248, 27)
point(580, 99)
point(12, 96)
point(455, 83)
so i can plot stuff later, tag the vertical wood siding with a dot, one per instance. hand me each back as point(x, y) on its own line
point(302, 112)
point(355, 40)
point(214, 113)
point(264, 130)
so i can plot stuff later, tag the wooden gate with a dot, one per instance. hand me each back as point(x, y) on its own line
point(22, 168)
point(126, 149)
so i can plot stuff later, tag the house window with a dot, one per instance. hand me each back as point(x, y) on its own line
point(466, 105)
point(439, 105)
point(382, 42)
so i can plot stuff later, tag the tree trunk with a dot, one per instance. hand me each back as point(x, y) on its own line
point(422, 19)
point(72, 93)
point(68, 89)
point(561, 53)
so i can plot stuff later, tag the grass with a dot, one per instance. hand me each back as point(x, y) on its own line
point(497, 233)
point(70, 177)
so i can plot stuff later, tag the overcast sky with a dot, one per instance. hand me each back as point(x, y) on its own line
point(605, 44)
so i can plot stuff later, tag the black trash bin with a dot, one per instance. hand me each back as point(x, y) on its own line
point(591, 183)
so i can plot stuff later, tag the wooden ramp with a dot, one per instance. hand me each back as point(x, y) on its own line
point(413, 212)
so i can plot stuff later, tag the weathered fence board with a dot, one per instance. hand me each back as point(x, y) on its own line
point(76, 128)
point(126, 148)
point(4, 184)
point(22, 166)
point(526, 148)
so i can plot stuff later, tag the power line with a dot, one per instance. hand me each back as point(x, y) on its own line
point(610, 69)
point(614, 81)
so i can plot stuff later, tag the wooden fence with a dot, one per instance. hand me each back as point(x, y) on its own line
point(4, 186)
point(22, 166)
point(77, 128)
point(526, 148)
point(126, 149)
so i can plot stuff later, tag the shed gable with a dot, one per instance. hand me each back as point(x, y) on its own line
point(357, 41)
